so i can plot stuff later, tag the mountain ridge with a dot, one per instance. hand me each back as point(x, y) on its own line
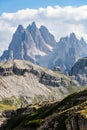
point(68, 50)
point(39, 46)
point(21, 78)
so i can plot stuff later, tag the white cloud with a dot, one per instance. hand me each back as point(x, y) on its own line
point(59, 20)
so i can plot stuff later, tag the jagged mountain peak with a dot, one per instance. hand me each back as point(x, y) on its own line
point(30, 44)
point(48, 37)
point(32, 27)
point(40, 42)
point(82, 40)
point(68, 50)
point(72, 35)
point(42, 27)
point(20, 28)
point(34, 30)
point(73, 39)
point(33, 24)
point(39, 46)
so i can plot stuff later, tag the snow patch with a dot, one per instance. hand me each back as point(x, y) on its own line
point(50, 47)
point(34, 51)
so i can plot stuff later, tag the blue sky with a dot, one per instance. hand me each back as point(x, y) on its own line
point(14, 5)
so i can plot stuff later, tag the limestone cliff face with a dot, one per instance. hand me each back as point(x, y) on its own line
point(22, 78)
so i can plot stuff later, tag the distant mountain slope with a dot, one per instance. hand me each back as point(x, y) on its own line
point(79, 71)
point(21, 78)
point(67, 51)
point(39, 46)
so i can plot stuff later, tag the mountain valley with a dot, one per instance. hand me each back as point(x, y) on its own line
point(43, 82)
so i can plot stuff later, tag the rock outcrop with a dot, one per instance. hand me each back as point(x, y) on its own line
point(76, 122)
point(21, 78)
point(79, 71)
point(69, 114)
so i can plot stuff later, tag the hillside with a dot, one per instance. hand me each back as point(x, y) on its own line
point(69, 114)
point(23, 80)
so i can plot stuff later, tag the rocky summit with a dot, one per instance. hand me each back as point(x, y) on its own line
point(67, 51)
point(39, 46)
point(30, 44)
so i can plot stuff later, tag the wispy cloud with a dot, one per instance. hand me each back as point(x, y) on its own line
point(60, 21)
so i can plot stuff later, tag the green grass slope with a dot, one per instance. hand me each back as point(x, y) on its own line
point(53, 115)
